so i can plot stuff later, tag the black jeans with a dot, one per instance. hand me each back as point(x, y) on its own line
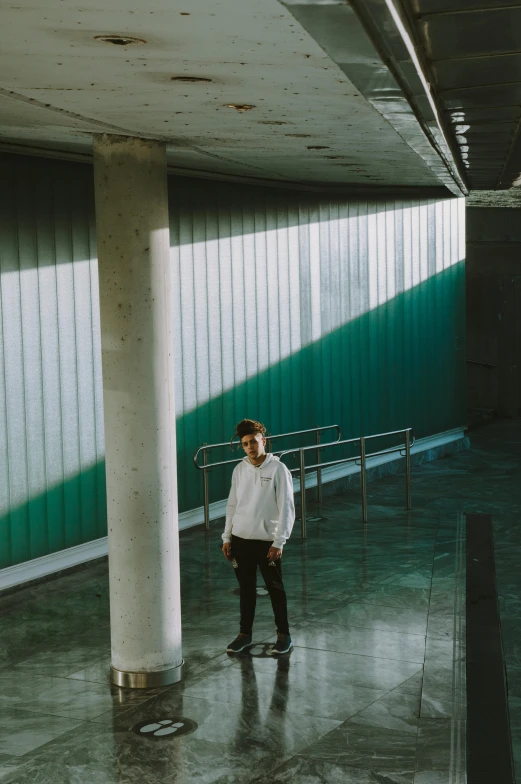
point(247, 555)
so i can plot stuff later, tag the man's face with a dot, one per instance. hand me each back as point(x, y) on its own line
point(253, 445)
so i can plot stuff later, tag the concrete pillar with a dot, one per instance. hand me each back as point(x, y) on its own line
point(138, 382)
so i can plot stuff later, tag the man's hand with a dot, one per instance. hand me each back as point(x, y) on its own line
point(274, 554)
point(227, 550)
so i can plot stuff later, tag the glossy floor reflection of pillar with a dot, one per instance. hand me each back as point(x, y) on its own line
point(373, 691)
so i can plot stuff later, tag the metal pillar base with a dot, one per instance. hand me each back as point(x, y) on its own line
point(146, 680)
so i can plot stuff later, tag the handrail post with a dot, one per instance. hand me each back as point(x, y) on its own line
point(206, 493)
point(363, 480)
point(408, 469)
point(302, 493)
point(319, 471)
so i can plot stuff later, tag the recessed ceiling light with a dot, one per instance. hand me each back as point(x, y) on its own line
point(240, 107)
point(119, 40)
point(272, 122)
point(190, 79)
point(317, 147)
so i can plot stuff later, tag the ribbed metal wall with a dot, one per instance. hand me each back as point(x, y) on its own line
point(300, 310)
point(290, 308)
point(52, 490)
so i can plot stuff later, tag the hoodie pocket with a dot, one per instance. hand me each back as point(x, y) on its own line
point(270, 526)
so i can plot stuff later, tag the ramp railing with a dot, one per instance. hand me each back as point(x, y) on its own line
point(206, 466)
point(361, 460)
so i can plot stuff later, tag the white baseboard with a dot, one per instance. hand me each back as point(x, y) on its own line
point(73, 556)
point(55, 562)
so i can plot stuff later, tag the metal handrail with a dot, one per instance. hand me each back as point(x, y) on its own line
point(351, 441)
point(360, 459)
point(205, 448)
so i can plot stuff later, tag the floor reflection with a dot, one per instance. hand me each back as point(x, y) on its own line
point(250, 714)
point(369, 693)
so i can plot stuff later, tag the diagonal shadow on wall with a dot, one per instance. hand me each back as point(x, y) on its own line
point(401, 364)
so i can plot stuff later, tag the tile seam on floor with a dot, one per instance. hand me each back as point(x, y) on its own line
point(360, 655)
point(281, 711)
point(372, 628)
point(458, 726)
point(457, 722)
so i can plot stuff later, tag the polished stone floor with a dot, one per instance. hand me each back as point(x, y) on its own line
point(373, 693)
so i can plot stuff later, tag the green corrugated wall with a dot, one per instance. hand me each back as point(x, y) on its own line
point(52, 478)
point(299, 309)
point(291, 308)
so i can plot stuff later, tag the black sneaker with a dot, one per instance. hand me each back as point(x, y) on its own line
point(283, 645)
point(239, 644)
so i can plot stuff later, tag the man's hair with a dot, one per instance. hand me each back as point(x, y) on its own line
point(249, 427)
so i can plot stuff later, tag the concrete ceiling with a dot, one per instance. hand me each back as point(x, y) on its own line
point(310, 122)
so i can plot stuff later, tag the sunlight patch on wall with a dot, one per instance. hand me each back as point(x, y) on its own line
point(50, 377)
point(245, 303)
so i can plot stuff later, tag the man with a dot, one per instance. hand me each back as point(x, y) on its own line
point(259, 517)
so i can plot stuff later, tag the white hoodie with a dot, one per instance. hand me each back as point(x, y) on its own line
point(260, 504)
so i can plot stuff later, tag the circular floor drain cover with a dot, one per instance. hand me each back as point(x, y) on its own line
point(164, 729)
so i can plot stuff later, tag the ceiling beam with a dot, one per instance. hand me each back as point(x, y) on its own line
point(372, 43)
